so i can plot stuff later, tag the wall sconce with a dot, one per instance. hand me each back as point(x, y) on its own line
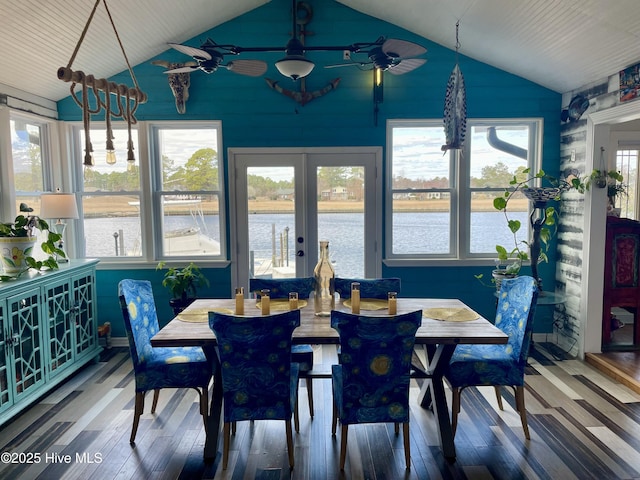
point(378, 90)
point(59, 206)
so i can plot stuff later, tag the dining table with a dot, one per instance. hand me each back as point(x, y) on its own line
point(445, 324)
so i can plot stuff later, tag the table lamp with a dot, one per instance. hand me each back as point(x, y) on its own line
point(59, 206)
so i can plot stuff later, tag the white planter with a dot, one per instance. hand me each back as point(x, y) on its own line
point(13, 251)
point(499, 275)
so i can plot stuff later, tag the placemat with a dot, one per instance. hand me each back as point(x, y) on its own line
point(201, 315)
point(452, 314)
point(369, 303)
point(281, 304)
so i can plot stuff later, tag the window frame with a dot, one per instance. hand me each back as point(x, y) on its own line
point(150, 211)
point(460, 193)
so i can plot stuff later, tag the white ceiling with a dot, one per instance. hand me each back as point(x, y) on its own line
point(560, 44)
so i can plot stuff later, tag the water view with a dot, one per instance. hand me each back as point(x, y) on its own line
point(430, 233)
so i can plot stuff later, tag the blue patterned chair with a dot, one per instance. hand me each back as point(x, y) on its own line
point(369, 287)
point(259, 380)
point(371, 384)
point(157, 368)
point(280, 288)
point(498, 365)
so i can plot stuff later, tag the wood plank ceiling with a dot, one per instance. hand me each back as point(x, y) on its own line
point(560, 44)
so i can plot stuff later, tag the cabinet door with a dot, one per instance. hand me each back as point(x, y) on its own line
point(6, 396)
point(83, 294)
point(23, 313)
point(59, 322)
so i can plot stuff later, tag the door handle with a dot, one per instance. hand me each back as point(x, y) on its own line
point(300, 253)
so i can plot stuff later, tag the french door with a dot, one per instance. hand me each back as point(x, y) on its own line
point(284, 200)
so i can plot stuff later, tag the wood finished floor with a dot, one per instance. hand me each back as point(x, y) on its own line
point(583, 425)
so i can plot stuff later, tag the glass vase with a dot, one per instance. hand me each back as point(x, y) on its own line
point(324, 297)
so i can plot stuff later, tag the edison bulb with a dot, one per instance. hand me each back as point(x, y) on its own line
point(111, 157)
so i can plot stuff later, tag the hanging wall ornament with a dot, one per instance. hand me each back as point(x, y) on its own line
point(455, 107)
point(126, 99)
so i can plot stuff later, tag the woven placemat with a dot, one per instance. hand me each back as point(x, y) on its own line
point(281, 304)
point(369, 303)
point(453, 314)
point(201, 315)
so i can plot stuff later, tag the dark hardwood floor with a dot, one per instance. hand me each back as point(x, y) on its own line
point(583, 424)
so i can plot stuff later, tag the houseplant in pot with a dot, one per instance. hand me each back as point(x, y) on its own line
point(17, 240)
point(183, 283)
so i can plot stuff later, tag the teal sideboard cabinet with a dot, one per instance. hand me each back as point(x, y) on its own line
point(48, 330)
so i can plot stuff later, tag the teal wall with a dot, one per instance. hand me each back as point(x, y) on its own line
point(253, 115)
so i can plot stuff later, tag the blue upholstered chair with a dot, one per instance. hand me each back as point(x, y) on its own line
point(371, 384)
point(280, 288)
point(369, 287)
point(259, 381)
point(498, 365)
point(156, 368)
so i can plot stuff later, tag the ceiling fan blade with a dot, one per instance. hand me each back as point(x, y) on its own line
point(406, 66)
point(185, 69)
point(252, 68)
point(352, 64)
point(191, 51)
point(402, 48)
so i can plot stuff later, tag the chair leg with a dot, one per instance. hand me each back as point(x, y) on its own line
point(498, 396)
point(396, 428)
point(455, 409)
point(138, 409)
point(334, 419)
point(343, 446)
point(523, 412)
point(310, 394)
point(204, 405)
point(289, 442)
point(407, 444)
point(225, 445)
point(296, 416)
point(156, 394)
point(233, 428)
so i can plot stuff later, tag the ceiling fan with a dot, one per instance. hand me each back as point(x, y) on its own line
point(390, 55)
point(393, 55)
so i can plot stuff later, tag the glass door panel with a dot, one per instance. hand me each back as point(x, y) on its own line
point(271, 221)
point(340, 206)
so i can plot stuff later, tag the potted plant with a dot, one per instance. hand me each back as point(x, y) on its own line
point(17, 239)
point(543, 226)
point(183, 283)
point(615, 188)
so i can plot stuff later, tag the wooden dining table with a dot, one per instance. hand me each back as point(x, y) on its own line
point(438, 337)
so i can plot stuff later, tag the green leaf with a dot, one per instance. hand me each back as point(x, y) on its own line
point(499, 203)
point(514, 225)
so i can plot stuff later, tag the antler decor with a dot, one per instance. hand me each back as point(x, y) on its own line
point(126, 104)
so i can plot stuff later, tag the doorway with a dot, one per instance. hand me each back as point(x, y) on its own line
point(284, 200)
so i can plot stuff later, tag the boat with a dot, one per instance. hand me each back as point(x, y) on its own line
point(192, 240)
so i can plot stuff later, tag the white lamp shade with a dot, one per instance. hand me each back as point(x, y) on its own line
point(295, 66)
point(58, 205)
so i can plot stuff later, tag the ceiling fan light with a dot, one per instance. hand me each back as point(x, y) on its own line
point(295, 66)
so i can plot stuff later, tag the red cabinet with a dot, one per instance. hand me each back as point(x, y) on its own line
point(621, 279)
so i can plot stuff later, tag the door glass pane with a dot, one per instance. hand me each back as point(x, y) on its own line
point(340, 198)
point(271, 207)
point(627, 165)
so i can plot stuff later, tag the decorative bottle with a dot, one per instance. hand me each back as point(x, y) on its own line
point(324, 297)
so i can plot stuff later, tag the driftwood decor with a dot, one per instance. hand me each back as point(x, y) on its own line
point(126, 99)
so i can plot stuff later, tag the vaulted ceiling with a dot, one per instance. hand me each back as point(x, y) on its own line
point(559, 44)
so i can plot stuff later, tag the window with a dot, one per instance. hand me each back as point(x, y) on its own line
point(111, 222)
point(28, 147)
point(175, 215)
point(187, 185)
point(627, 165)
point(441, 205)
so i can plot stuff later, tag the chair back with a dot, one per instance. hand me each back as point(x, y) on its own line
point(369, 287)
point(281, 287)
point(255, 355)
point(514, 316)
point(140, 318)
point(376, 363)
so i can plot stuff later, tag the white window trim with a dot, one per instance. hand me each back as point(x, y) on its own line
point(460, 235)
